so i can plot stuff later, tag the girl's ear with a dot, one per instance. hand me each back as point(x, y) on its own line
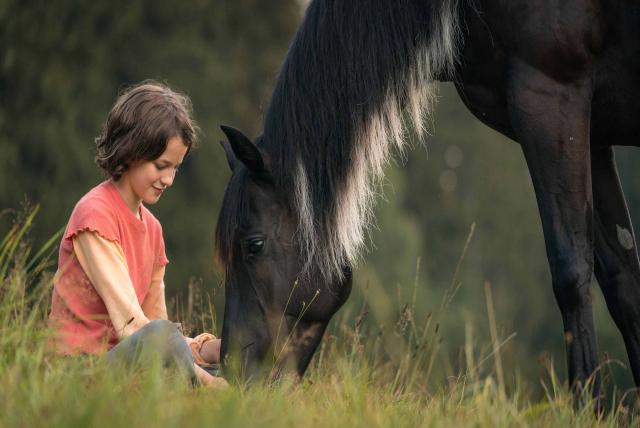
point(243, 150)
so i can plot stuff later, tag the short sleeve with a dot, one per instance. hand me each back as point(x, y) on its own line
point(94, 215)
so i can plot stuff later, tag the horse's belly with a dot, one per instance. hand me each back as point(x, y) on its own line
point(608, 129)
point(487, 103)
point(615, 112)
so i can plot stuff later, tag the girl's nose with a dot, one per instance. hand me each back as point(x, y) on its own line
point(167, 179)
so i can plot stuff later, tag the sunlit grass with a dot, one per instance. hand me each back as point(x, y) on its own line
point(359, 377)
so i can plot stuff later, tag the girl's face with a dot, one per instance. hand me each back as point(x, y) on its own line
point(145, 181)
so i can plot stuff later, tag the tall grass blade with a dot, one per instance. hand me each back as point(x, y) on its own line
point(45, 247)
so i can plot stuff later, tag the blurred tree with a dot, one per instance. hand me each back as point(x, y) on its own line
point(62, 65)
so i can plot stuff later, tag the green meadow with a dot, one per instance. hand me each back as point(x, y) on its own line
point(359, 376)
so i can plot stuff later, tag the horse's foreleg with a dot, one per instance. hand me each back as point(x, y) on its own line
point(551, 122)
point(616, 257)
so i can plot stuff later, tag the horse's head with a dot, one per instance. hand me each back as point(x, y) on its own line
point(274, 318)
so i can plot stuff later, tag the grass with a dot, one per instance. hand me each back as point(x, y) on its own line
point(359, 377)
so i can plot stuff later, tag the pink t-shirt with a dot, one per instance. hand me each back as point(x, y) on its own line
point(78, 313)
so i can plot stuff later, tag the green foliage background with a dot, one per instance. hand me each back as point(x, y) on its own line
point(62, 65)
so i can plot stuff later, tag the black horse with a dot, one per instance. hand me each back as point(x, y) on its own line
point(560, 77)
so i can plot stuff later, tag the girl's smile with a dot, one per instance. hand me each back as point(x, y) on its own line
point(146, 180)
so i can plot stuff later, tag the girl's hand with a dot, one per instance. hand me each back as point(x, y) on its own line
point(210, 351)
point(205, 348)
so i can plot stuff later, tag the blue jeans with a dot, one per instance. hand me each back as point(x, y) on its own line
point(160, 339)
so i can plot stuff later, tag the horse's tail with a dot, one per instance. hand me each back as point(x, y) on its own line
point(355, 68)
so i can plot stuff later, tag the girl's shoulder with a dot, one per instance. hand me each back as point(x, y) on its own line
point(96, 212)
point(97, 199)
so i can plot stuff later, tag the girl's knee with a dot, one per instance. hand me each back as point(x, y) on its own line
point(159, 327)
point(165, 339)
point(162, 334)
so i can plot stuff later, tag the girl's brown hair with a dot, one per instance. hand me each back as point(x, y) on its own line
point(140, 124)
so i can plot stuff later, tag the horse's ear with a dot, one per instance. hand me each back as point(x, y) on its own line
point(232, 160)
point(243, 150)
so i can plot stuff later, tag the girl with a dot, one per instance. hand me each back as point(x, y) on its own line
point(109, 290)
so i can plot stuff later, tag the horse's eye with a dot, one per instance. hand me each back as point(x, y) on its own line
point(255, 245)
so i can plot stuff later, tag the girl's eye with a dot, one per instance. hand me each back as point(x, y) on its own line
point(255, 245)
point(163, 167)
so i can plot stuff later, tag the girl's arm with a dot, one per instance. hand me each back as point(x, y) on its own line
point(154, 305)
point(205, 347)
point(104, 263)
